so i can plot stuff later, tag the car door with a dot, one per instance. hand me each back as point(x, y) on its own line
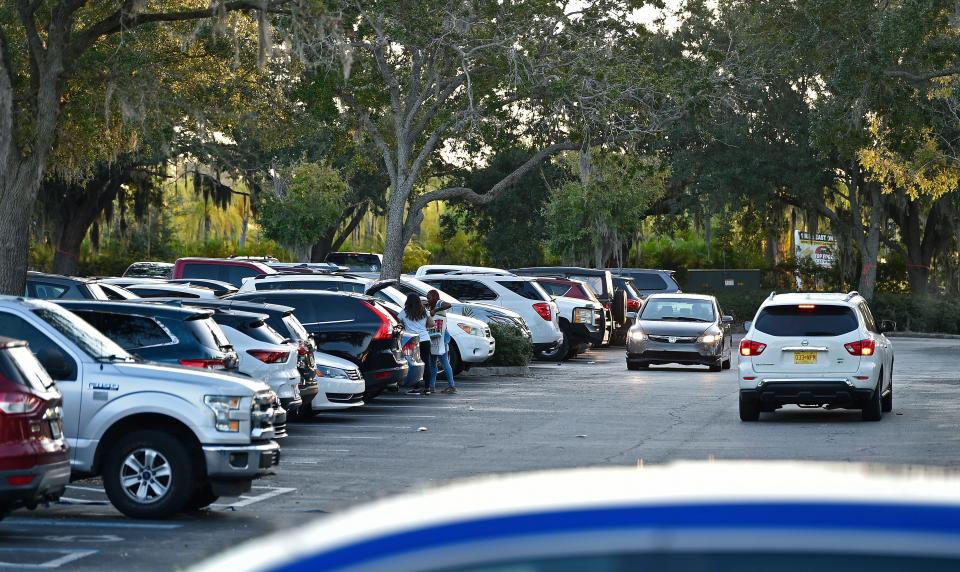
point(61, 363)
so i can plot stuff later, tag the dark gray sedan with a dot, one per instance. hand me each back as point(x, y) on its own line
point(686, 329)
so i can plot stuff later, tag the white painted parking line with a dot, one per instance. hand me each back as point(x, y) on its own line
point(332, 427)
point(22, 521)
point(399, 415)
point(247, 500)
point(79, 488)
point(66, 556)
point(351, 437)
point(296, 450)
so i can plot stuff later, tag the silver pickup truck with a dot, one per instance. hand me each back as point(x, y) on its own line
point(163, 438)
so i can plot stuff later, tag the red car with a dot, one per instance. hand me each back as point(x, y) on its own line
point(34, 461)
point(232, 270)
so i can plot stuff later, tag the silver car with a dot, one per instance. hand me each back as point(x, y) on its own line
point(686, 329)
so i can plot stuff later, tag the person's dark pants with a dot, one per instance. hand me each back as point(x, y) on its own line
point(425, 357)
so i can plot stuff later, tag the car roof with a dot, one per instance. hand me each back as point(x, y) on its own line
point(59, 277)
point(675, 295)
point(294, 292)
point(141, 307)
point(229, 262)
point(548, 270)
point(801, 297)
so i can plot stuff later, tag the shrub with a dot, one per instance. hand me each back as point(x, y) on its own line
point(513, 348)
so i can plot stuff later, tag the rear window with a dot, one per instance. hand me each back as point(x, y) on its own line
point(45, 290)
point(555, 289)
point(648, 281)
point(355, 262)
point(528, 289)
point(209, 271)
point(131, 332)
point(261, 332)
point(597, 283)
point(21, 367)
point(208, 333)
point(327, 285)
point(148, 270)
point(793, 320)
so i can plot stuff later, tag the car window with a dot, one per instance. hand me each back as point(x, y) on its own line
point(236, 274)
point(555, 289)
point(131, 332)
point(678, 310)
point(96, 292)
point(648, 280)
point(116, 293)
point(21, 367)
point(16, 327)
point(209, 271)
point(208, 333)
point(528, 289)
point(868, 321)
point(146, 292)
point(327, 285)
point(355, 262)
point(595, 282)
point(465, 289)
point(45, 290)
point(806, 320)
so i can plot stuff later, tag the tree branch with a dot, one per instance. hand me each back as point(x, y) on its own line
point(381, 143)
point(922, 76)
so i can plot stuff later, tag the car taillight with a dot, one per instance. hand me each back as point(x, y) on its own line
point(267, 356)
point(18, 403)
point(751, 348)
point(543, 309)
point(19, 480)
point(633, 305)
point(409, 348)
point(385, 331)
point(204, 363)
point(861, 348)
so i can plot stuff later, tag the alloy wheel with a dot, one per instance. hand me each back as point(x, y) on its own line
point(145, 475)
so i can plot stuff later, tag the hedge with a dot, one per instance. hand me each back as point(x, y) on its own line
point(513, 348)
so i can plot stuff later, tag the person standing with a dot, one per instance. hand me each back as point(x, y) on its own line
point(415, 318)
point(439, 343)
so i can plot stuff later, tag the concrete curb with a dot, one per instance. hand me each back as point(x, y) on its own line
point(499, 371)
point(934, 336)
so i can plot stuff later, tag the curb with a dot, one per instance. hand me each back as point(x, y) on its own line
point(499, 371)
point(934, 336)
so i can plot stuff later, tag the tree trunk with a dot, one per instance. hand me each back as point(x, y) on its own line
point(396, 237)
point(18, 193)
point(870, 239)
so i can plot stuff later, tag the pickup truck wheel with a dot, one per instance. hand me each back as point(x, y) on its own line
point(149, 474)
point(202, 498)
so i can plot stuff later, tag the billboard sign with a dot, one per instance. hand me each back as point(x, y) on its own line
point(820, 248)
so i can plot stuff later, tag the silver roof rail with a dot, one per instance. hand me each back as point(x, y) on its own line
point(850, 295)
point(772, 294)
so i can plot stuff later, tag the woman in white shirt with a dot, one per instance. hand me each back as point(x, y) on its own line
point(416, 319)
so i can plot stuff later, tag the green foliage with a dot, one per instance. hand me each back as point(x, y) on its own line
point(513, 348)
point(414, 256)
point(303, 213)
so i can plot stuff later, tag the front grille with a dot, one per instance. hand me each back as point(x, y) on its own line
point(344, 397)
point(262, 412)
point(354, 374)
point(664, 355)
point(676, 339)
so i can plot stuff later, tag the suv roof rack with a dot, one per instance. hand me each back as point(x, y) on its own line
point(772, 295)
point(478, 273)
point(850, 295)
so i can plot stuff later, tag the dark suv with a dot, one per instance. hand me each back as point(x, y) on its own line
point(57, 287)
point(224, 270)
point(649, 281)
point(34, 461)
point(348, 326)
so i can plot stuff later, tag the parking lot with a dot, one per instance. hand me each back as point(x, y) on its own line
point(588, 411)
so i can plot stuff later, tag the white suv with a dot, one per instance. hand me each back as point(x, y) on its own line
point(520, 294)
point(816, 350)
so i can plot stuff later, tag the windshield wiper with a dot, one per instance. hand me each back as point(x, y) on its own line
point(684, 319)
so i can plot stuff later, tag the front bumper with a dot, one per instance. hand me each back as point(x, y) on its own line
point(476, 349)
point(48, 484)
point(241, 461)
point(690, 353)
point(587, 334)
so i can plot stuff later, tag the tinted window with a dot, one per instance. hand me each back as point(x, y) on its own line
point(209, 271)
point(208, 333)
point(792, 320)
point(327, 285)
point(116, 293)
point(648, 281)
point(868, 320)
point(555, 289)
point(356, 262)
point(236, 274)
point(263, 333)
point(131, 332)
point(436, 271)
point(18, 328)
point(311, 310)
point(45, 290)
point(21, 367)
point(595, 282)
point(95, 292)
point(529, 290)
point(159, 293)
point(678, 310)
point(465, 289)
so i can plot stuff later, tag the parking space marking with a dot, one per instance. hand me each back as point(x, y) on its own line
point(68, 556)
point(21, 521)
point(296, 450)
point(330, 427)
point(388, 415)
point(79, 488)
point(247, 500)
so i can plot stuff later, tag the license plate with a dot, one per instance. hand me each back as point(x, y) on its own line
point(805, 358)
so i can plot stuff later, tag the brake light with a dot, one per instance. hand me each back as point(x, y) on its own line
point(19, 480)
point(751, 348)
point(204, 363)
point(543, 309)
point(267, 356)
point(806, 306)
point(385, 331)
point(633, 305)
point(18, 403)
point(861, 348)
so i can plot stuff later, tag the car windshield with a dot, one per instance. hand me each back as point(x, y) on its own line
point(83, 335)
point(678, 309)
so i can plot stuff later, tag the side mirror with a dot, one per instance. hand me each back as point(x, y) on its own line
point(726, 319)
point(55, 362)
point(747, 325)
point(887, 326)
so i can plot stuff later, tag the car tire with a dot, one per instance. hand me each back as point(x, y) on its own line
point(637, 365)
point(873, 408)
point(560, 352)
point(749, 408)
point(725, 364)
point(618, 308)
point(158, 451)
point(886, 404)
point(202, 498)
point(456, 361)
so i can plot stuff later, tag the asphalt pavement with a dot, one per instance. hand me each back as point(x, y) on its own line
point(589, 411)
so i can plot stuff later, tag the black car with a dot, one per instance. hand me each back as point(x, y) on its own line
point(149, 270)
point(649, 281)
point(57, 287)
point(348, 326)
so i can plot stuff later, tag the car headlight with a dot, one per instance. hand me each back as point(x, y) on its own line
point(637, 335)
point(582, 316)
point(331, 372)
point(226, 410)
point(709, 338)
point(470, 330)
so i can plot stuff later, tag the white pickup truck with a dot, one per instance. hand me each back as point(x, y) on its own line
point(163, 438)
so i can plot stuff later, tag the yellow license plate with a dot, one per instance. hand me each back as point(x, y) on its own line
point(805, 358)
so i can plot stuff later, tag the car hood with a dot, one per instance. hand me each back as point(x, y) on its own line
point(223, 383)
point(458, 319)
point(658, 328)
point(327, 360)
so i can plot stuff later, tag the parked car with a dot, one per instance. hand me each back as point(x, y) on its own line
point(433, 269)
point(582, 318)
point(634, 303)
point(329, 282)
point(171, 291)
point(649, 281)
point(218, 287)
point(349, 326)
point(601, 281)
point(306, 267)
point(57, 287)
point(149, 270)
point(687, 329)
point(162, 438)
point(816, 349)
point(230, 270)
point(34, 460)
point(722, 516)
point(356, 261)
point(520, 294)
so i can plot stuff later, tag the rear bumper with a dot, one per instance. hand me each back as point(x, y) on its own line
point(548, 347)
point(380, 379)
point(241, 461)
point(48, 484)
point(809, 392)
